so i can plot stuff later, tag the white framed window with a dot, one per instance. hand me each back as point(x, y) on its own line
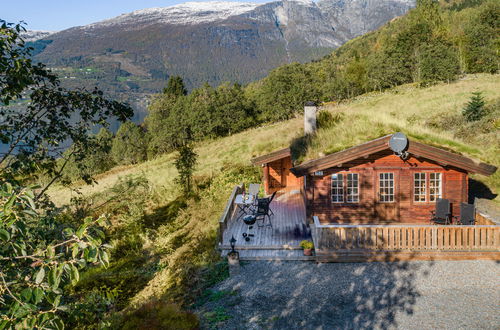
point(419, 187)
point(386, 187)
point(352, 193)
point(337, 188)
point(435, 186)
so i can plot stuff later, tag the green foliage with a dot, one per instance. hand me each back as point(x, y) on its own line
point(97, 160)
point(54, 116)
point(284, 91)
point(175, 87)
point(474, 110)
point(157, 315)
point(327, 119)
point(481, 41)
point(185, 163)
point(438, 62)
point(38, 258)
point(129, 145)
point(307, 245)
point(205, 113)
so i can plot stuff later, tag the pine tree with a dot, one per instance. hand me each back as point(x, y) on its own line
point(474, 110)
point(185, 163)
point(175, 87)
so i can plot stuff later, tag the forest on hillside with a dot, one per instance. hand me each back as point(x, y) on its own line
point(435, 42)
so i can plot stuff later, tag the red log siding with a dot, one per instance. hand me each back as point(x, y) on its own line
point(318, 191)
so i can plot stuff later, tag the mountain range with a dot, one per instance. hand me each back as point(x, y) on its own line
point(132, 55)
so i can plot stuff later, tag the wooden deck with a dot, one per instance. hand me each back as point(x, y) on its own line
point(281, 242)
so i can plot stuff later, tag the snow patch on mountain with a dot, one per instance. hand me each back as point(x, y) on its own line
point(186, 13)
point(34, 35)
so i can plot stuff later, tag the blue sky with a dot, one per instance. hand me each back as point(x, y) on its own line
point(57, 15)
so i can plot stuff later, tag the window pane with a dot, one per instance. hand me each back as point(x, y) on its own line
point(419, 187)
point(386, 187)
point(435, 189)
point(337, 188)
point(352, 188)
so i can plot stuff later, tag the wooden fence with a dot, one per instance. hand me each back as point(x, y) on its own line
point(228, 212)
point(409, 241)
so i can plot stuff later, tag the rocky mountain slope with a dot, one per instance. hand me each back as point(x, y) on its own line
point(207, 41)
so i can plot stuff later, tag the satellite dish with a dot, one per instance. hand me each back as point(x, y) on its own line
point(398, 143)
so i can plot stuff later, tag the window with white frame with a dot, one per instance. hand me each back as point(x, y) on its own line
point(337, 188)
point(435, 184)
point(419, 187)
point(386, 187)
point(352, 193)
point(345, 188)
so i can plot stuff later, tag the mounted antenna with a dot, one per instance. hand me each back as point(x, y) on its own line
point(399, 143)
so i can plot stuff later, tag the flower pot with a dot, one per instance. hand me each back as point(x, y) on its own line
point(308, 252)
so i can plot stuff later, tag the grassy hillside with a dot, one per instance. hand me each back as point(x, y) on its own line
point(424, 114)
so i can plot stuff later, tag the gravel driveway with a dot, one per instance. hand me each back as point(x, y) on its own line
point(401, 295)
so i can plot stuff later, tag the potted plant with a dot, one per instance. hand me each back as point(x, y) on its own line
point(308, 246)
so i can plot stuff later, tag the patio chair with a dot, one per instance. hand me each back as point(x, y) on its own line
point(267, 201)
point(467, 213)
point(442, 214)
point(253, 189)
point(263, 211)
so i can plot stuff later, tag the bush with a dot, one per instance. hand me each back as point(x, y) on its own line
point(159, 314)
point(327, 119)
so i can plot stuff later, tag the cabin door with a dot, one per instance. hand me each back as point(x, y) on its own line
point(276, 176)
point(387, 195)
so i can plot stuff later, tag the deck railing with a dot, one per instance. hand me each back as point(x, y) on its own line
point(405, 237)
point(228, 211)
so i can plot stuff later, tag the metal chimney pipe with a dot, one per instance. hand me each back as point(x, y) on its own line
point(309, 117)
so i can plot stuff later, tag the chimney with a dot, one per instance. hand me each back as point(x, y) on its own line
point(309, 118)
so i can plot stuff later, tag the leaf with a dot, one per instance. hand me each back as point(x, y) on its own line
point(50, 251)
point(4, 324)
point(39, 276)
point(37, 295)
point(7, 206)
point(57, 300)
point(58, 324)
point(52, 278)
point(68, 232)
point(104, 258)
point(74, 275)
point(26, 294)
point(74, 251)
point(81, 230)
point(4, 235)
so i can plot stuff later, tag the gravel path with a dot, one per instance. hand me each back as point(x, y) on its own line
point(304, 295)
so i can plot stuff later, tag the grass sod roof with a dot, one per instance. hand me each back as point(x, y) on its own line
point(443, 157)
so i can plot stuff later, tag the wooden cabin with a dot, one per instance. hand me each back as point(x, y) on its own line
point(370, 184)
point(276, 171)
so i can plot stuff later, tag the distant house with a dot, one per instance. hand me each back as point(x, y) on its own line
point(370, 184)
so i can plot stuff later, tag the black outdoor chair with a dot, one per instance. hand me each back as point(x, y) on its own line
point(262, 212)
point(467, 214)
point(267, 200)
point(442, 214)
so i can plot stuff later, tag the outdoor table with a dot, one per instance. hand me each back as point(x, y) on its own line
point(244, 204)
